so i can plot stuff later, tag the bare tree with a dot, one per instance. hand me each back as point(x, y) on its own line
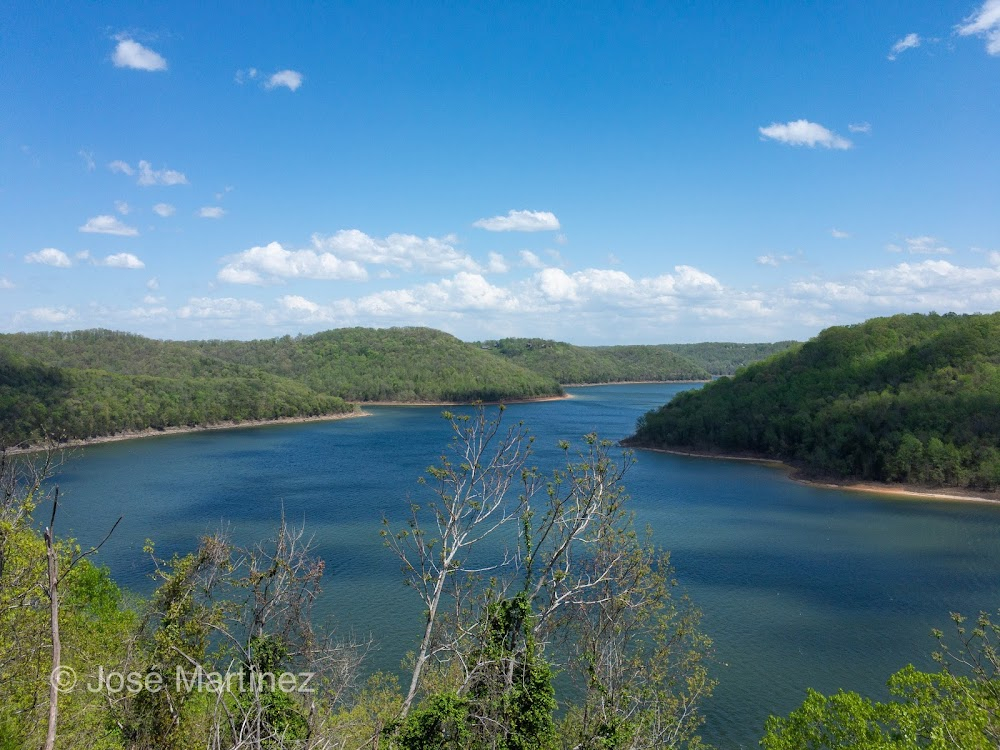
point(595, 594)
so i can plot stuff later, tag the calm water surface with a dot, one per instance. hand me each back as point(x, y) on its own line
point(800, 586)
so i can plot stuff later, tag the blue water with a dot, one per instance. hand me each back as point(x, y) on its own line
point(799, 586)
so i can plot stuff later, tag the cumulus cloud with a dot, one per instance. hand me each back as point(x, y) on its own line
point(122, 260)
point(51, 315)
point(985, 22)
point(910, 41)
point(289, 79)
point(5, 283)
point(211, 212)
point(497, 264)
point(164, 209)
point(921, 246)
point(860, 127)
point(105, 224)
point(520, 221)
point(122, 207)
point(804, 133)
point(407, 252)
point(121, 167)
point(273, 264)
point(130, 54)
point(243, 76)
point(153, 284)
point(530, 260)
point(224, 308)
point(149, 176)
point(49, 256)
point(839, 234)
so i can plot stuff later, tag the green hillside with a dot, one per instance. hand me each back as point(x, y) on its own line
point(91, 383)
point(725, 358)
point(567, 363)
point(911, 398)
point(391, 364)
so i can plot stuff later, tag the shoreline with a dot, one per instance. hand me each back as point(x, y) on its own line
point(632, 382)
point(152, 432)
point(954, 494)
point(534, 400)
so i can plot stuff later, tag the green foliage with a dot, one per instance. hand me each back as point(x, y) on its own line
point(724, 358)
point(912, 398)
point(567, 363)
point(92, 383)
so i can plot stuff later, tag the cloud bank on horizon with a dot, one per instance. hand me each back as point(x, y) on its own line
point(659, 193)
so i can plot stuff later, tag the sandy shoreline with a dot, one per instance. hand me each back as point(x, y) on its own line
point(632, 382)
point(538, 399)
point(877, 488)
point(151, 432)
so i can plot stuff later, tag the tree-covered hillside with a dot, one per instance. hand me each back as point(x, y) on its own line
point(911, 398)
point(92, 383)
point(390, 364)
point(725, 358)
point(567, 363)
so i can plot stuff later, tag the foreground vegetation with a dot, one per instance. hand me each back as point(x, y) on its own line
point(911, 398)
point(521, 576)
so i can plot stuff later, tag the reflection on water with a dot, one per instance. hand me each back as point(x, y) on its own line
point(799, 586)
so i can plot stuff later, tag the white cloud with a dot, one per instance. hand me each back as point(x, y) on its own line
point(804, 133)
point(105, 224)
point(211, 212)
point(121, 167)
point(520, 221)
point(530, 260)
point(245, 75)
point(82, 255)
point(5, 283)
point(164, 209)
point(497, 264)
point(910, 41)
point(149, 176)
point(767, 260)
point(131, 54)
point(984, 22)
point(88, 159)
point(151, 299)
point(838, 234)
point(51, 315)
point(273, 264)
point(153, 284)
point(407, 252)
point(921, 246)
point(219, 308)
point(290, 79)
point(122, 207)
point(49, 256)
point(860, 127)
point(122, 260)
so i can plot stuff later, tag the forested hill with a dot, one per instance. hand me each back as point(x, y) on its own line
point(567, 363)
point(390, 364)
point(911, 398)
point(725, 358)
point(92, 383)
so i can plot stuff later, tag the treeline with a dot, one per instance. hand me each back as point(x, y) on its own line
point(568, 364)
point(911, 398)
point(725, 358)
point(390, 364)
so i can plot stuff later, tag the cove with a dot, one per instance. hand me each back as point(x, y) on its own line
point(800, 586)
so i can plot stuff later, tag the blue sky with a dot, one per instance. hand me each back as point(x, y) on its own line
point(591, 172)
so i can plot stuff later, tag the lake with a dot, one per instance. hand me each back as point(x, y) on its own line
point(800, 586)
